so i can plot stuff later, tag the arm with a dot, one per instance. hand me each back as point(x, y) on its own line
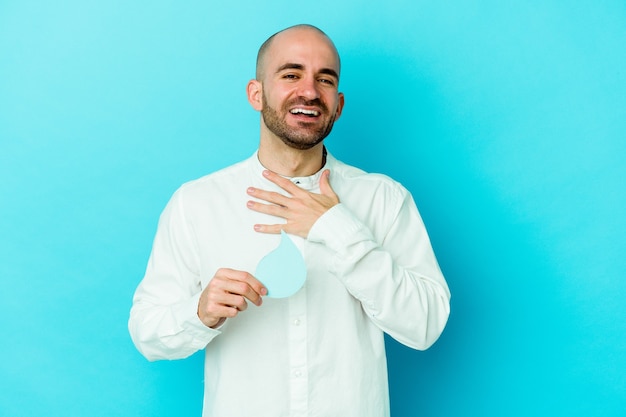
point(172, 317)
point(163, 320)
point(397, 280)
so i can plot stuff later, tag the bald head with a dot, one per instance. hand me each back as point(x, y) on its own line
point(266, 47)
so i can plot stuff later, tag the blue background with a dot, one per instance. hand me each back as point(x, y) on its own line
point(506, 120)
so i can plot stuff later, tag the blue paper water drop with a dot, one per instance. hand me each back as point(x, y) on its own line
point(283, 270)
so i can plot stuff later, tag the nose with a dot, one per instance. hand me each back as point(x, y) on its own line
point(308, 88)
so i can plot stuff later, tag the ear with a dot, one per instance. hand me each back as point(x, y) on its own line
point(339, 106)
point(255, 94)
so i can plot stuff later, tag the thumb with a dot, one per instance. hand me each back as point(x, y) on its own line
point(325, 187)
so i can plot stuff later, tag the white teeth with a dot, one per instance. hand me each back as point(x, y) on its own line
point(305, 111)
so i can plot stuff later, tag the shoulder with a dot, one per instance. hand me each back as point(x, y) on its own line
point(217, 179)
point(348, 177)
point(214, 186)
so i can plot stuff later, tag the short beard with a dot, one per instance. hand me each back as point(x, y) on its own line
point(303, 138)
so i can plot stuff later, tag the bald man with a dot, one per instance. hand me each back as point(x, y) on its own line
point(370, 268)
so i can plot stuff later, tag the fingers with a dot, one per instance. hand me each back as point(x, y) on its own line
point(269, 196)
point(271, 209)
point(239, 284)
point(325, 188)
point(283, 183)
point(300, 210)
point(228, 294)
point(270, 228)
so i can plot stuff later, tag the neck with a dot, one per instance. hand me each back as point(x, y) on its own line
point(290, 162)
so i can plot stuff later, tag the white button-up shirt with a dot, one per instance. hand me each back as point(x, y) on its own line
point(320, 352)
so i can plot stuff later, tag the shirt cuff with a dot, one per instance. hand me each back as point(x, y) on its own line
point(191, 323)
point(338, 228)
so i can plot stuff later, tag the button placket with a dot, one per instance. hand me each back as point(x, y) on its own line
point(299, 389)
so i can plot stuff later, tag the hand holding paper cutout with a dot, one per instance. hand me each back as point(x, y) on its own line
point(301, 210)
point(226, 294)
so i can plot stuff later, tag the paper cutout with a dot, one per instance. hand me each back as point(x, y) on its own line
point(283, 270)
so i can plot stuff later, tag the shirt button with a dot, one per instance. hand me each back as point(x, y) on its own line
point(296, 322)
point(297, 374)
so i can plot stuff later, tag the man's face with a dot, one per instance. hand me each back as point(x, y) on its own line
point(300, 98)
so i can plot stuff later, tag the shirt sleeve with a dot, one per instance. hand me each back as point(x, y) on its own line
point(164, 323)
point(396, 279)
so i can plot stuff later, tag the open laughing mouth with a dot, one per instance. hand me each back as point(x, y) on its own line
point(299, 111)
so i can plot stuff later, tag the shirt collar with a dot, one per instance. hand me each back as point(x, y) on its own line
point(308, 183)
